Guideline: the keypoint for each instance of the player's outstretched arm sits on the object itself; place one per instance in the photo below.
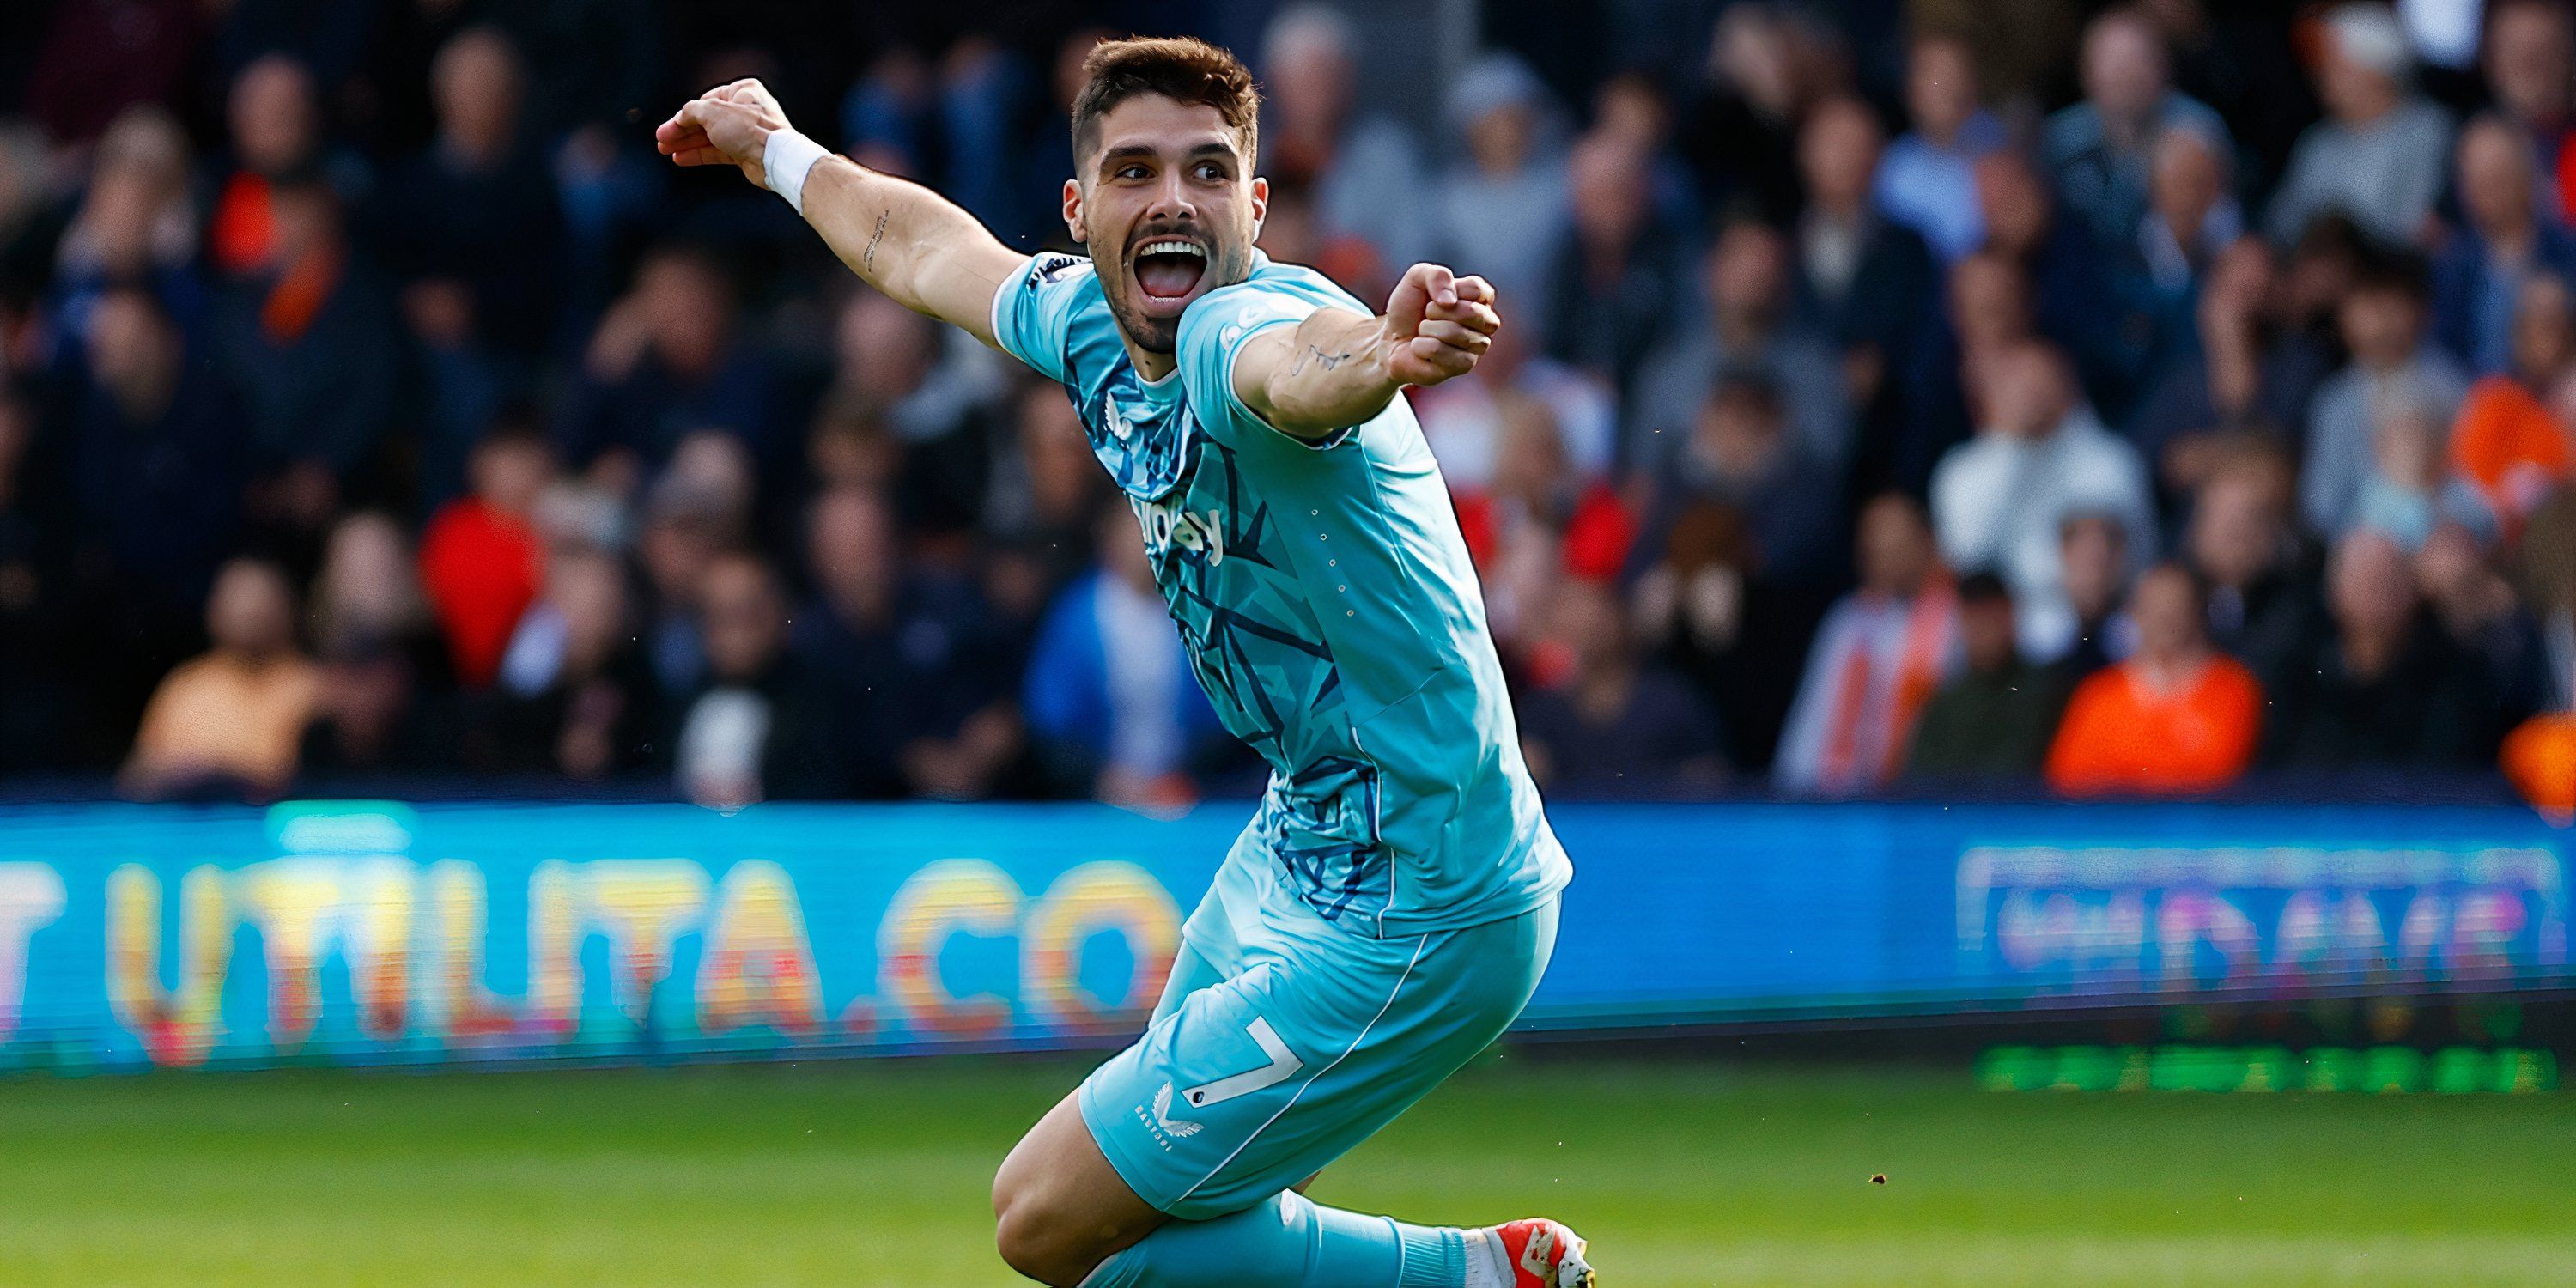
(1336, 368)
(921, 249)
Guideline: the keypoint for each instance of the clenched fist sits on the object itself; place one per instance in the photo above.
(1437, 325)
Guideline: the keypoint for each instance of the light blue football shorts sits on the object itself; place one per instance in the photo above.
(1281, 1042)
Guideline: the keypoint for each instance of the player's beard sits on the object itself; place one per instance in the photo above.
(1229, 262)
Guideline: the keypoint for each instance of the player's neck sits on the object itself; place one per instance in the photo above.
(1149, 364)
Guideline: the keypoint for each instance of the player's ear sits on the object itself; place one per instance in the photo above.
(1260, 204)
(1073, 211)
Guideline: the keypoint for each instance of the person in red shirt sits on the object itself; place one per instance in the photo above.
(481, 561)
(2177, 717)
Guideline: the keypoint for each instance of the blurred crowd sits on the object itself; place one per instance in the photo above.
(1896, 395)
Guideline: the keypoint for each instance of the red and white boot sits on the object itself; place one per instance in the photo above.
(1539, 1253)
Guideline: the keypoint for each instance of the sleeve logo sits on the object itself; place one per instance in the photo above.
(1051, 268)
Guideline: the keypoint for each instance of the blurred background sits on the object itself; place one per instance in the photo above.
(1900, 399)
(2032, 537)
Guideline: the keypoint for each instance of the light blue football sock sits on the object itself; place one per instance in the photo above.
(1289, 1242)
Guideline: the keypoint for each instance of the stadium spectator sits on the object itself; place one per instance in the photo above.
(2320, 269)
(1740, 454)
(2024, 48)
(1046, 494)
(1928, 179)
(472, 215)
(575, 695)
(1537, 519)
(1463, 418)
(228, 723)
(1881, 653)
(756, 731)
(2001, 500)
(2102, 153)
(1618, 276)
(2242, 542)
(1987, 306)
(481, 563)
(2389, 689)
(1631, 105)
(1995, 718)
(1750, 328)
(2507, 440)
(1617, 723)
(2539, 757)
(1741, 136)
(933, 391)
(2469, 597)
(2176, 718)
(1740, 638)
(2507, 240)
(1364, 168)
(2093, 549)
(1863, 281)
(152, 442)
(1114, 711)
(2253, 373)
(309, 338)
(368, 593)
(371, 721)
(2076, 301)
(274, 132)
(2190, 222)
(2530, 62)
(680, 537)
(2411, 489)
(2377, 158)
(667, 358)
(135, 225)
(1990, 307)
(381, 670)
(1500, 212)
(888, 114)
(205, 362)
(2382, 322)
(905, 658)
(2548, 586)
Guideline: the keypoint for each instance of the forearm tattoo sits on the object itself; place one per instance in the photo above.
(1315, 354)
(868, 258)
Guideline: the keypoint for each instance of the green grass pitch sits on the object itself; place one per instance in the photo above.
(877, 1173)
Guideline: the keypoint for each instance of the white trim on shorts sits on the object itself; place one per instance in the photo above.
(1418, 949)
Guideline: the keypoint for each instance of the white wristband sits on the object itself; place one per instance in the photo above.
(784, 161)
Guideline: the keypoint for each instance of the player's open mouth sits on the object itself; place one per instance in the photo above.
(1168, 270)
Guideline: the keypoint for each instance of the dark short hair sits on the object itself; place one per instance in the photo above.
(1984, 587)
(1180, 68)
(2390, 271)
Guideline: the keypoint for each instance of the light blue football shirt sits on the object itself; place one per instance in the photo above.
(1325, 601)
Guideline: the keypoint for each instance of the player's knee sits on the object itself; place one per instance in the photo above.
(1039, 1243)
